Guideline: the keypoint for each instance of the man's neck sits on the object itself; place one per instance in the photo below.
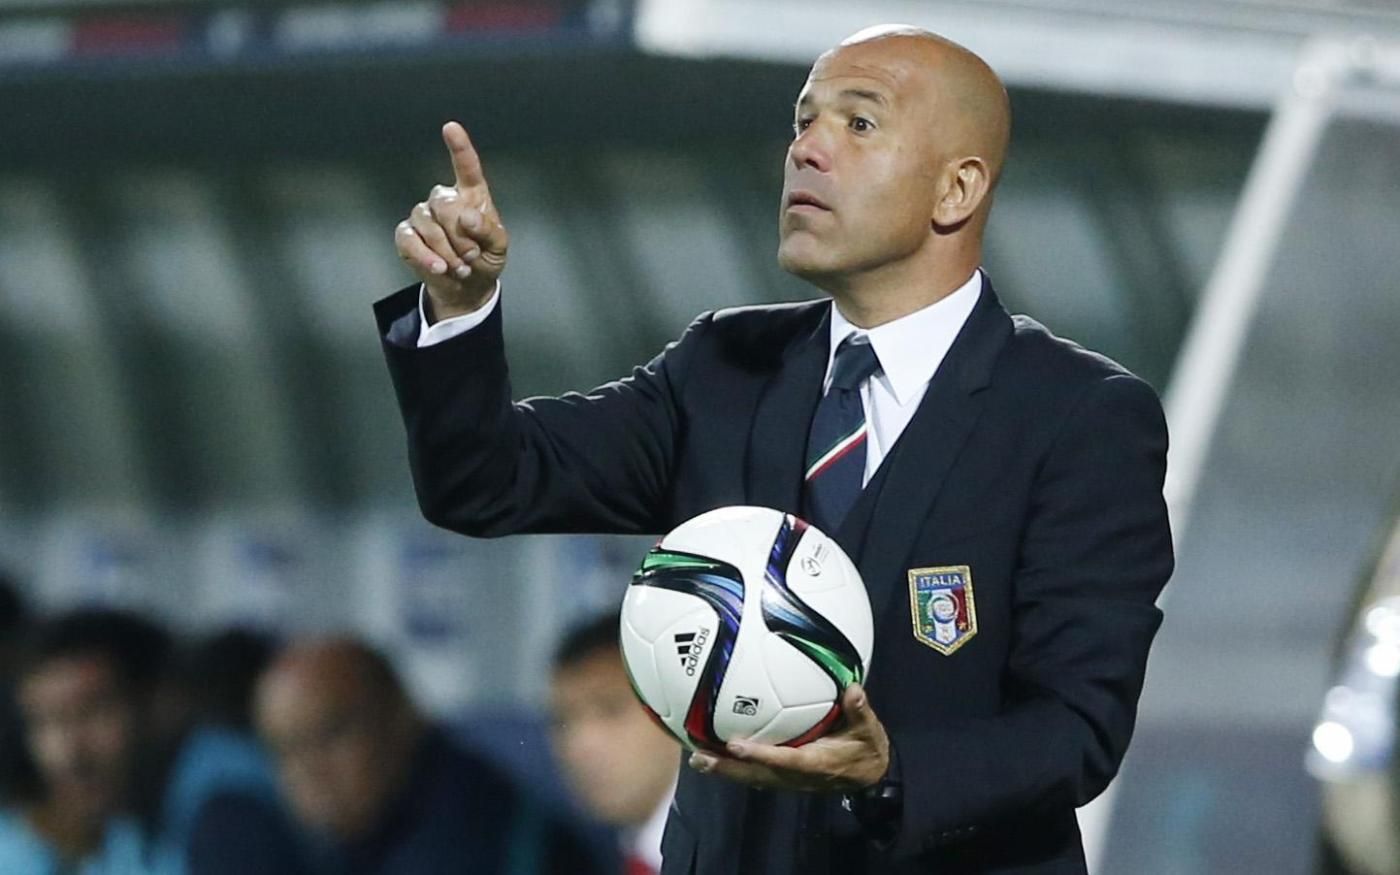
(893, 291)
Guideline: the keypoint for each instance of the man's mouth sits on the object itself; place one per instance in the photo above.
(806, 201)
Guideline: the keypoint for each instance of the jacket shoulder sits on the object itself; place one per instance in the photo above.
(764, 331)
(1056, 360)
(760, 320)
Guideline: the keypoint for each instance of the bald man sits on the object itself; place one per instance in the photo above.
(382, 791)
(999, 488)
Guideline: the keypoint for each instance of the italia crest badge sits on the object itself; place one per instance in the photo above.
(940, 602)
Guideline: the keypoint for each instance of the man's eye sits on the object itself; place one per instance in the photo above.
(801, 125)
(861, 125)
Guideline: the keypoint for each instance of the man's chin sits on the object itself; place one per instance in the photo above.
(86, 799)
(805, 265)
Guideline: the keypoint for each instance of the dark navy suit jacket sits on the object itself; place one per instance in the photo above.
(1033, 462)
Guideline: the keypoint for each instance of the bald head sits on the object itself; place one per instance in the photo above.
(968, 91)
(336, 671)
(335, 715)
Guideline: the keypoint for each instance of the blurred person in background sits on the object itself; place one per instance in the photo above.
(14, 620)
(85, 683)
(221, 672)
(620, 764)
(18, 777)
(216, 809)
(381, 789)
(14, 623)
(128, 781)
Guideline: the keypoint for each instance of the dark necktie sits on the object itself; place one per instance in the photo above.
(836, 442)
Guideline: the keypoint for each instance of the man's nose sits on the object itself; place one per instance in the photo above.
(811, 150)
(63, 750)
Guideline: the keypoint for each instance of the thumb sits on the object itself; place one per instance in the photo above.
(856, 704)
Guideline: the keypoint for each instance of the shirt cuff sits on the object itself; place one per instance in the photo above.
(447, 329)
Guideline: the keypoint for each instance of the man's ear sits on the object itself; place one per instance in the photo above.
(966, 182)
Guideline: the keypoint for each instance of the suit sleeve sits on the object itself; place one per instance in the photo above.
(485, 466)
(1095, 554)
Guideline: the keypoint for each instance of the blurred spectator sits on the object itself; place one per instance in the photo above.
(620, 764)
(83, 684)
(384, 791)
(126, 782)
(18, 779)
(221, 673)
(218, 810)
(14, 619)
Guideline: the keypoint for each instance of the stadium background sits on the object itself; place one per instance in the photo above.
(196, 206)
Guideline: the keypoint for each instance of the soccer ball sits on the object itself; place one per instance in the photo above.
(746, 622)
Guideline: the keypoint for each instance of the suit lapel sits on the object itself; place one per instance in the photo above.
(923, 455)
(778, 441)
(773, 469)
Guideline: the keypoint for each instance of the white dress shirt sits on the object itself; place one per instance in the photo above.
(910, 349)
(644, 842)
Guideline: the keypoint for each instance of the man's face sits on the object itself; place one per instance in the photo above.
(618, 762)
(861, 173)
(81, 727)
(335, 752)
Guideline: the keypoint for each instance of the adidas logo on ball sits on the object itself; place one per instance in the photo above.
(690, 645)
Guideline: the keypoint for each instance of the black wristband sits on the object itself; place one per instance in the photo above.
(880, 807)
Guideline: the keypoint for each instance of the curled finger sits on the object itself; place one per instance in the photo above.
(435, 237)
(413, 250)
(482, 226)
(446, 209)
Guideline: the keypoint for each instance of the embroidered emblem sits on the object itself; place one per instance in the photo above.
(940, 602)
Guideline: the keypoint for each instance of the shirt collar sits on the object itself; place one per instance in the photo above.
(912, 347)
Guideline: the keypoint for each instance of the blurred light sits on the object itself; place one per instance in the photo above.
(1339, 698)
(1383, 659)
(1333, 741)
(1383, 622)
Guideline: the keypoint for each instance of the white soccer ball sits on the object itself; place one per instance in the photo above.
(746, 623)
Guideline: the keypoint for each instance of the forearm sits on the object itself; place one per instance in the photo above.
(485, 466)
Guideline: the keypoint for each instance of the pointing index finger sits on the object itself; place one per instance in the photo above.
(466, 164)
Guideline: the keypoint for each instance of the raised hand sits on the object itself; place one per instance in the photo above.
(454, 241)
